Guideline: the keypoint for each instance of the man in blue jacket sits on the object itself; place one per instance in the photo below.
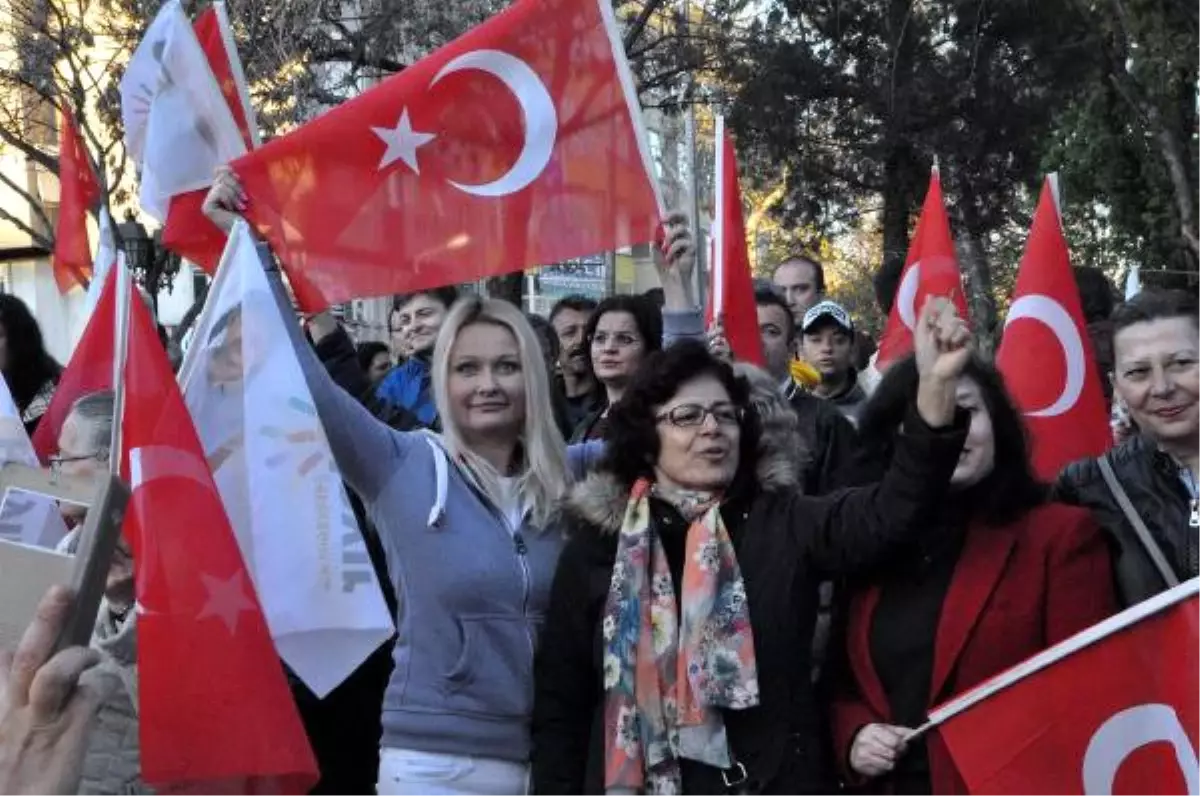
(418, 318)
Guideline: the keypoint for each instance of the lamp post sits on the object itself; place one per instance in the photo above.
(152, 265)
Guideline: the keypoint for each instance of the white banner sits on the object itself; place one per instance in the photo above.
(272, 465)
(178, 127)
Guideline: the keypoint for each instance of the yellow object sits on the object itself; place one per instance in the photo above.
(803, 373)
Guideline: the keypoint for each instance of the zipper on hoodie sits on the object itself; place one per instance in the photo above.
(521, 548)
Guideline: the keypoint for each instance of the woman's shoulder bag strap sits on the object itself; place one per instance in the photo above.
(1139, 527)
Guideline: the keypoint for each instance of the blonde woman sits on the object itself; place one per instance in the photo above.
(466, 523)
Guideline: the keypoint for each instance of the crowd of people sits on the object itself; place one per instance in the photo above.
(621, 562)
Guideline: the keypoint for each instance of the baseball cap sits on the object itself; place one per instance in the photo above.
(827, 309)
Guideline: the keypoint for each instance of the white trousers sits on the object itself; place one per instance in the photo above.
(405, 772)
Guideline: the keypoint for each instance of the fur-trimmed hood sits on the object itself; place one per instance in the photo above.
(600, 500)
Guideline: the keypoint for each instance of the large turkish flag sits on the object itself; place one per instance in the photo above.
(1046, 354)
(1118, 715)
(518, 144)
(931, 269)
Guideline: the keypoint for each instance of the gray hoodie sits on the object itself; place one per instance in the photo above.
(472, 590)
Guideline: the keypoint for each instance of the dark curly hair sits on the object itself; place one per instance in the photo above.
(1009, 491)
(645, 314)
(29, 365)
(631, 445)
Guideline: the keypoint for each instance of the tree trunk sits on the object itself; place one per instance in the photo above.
(980, 302)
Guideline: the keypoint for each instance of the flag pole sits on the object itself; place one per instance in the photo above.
(124, 289)
(1077, 642)
(717, 230)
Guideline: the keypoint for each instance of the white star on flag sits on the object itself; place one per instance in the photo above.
(226, 599)
(402, 143)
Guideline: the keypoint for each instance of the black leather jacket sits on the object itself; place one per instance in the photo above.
(1153, 482)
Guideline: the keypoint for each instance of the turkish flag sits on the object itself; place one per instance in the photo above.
(187, 231)
(1110, 710)
(1046, 353)
(90, 369)
(78, 190)
(215, 713)
(518, 144)
(930, 270)
(732, 295)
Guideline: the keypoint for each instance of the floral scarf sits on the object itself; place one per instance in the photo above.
(669, 665)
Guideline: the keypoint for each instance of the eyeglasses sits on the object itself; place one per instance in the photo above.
(619, 339)
(693, 415)
(58, 460)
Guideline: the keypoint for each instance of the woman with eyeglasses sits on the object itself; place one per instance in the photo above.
(112, 763)
(621, 333)
(676, 652)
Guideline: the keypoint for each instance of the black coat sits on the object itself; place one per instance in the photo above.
(830, 440)
(1152, 481)
(786, 544)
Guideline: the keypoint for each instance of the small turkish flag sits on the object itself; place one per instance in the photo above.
(90, 369)
(518, 144)
(732, 295)
(78, 190)
(1112, 709)
(1046, 354)
(215, 713)
(930, 270)
(187, 231)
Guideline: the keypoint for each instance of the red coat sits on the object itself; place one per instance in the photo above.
(1015, 590)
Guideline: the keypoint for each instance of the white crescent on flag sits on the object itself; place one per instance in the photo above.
(1126, 732)
(537, 109)
(906, 295)
(1058, 320)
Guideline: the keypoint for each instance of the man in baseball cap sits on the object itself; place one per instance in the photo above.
(827, 343)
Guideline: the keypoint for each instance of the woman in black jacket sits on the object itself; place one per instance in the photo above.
(1156, 375)
(693, 500)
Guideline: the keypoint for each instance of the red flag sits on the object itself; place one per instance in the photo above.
(187, 231)
(518, 144)
(90, 369)
(78, 190)
(215, 712)
(1046, 353)
(1114, 710)
(731, 297)
(930, 270)
(190, 234)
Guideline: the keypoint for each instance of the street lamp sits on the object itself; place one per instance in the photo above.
(151, 263)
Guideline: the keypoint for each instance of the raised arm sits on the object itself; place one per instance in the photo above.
(366, 451)
(676, 262)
